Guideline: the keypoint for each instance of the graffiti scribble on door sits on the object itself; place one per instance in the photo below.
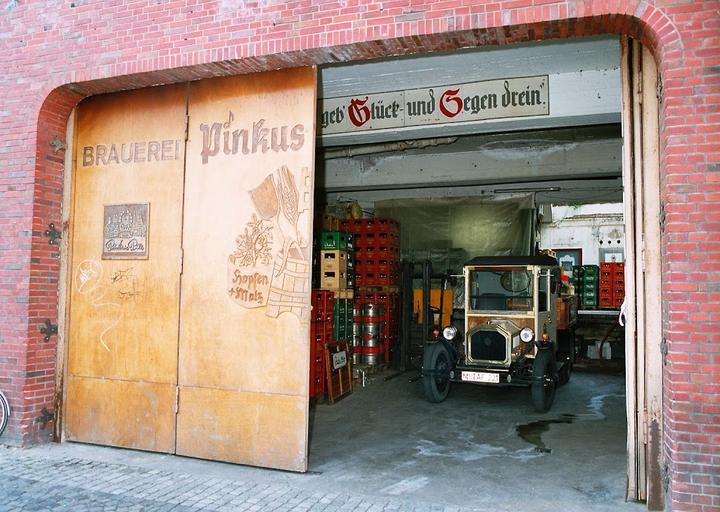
(270, 266)
(89, 284)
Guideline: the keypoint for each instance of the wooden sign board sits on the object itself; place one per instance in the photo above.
(338, 369)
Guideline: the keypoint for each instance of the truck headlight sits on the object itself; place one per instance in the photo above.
(450, 333)
(527, 335)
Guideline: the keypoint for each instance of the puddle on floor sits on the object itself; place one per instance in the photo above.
(532, 432)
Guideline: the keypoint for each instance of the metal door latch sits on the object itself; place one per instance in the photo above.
(48, 330)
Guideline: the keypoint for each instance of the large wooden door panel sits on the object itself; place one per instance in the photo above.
(213, 364)
(121, 413)
(123, 328)
(253, 428)
(244, 333)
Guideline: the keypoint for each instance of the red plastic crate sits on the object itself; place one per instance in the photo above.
(391, 239)
(370, 225)
(322, 298)
(323, 302)
(605, 291)
(321, 332)
(321, 314)
(352, 225)
(317, 379)
(606, 302)
(384, 225)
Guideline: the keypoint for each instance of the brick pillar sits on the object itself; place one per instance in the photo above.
(27, 361)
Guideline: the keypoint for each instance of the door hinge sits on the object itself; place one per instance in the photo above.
(664, 350)
(642, 255)
(48, 330)
(53, 234)
(662, 218)
(177, 399)
(641, 417)
(659, 89)
(181, 257)
(187, 127)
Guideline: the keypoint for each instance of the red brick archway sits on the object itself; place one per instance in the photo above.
(689, 165)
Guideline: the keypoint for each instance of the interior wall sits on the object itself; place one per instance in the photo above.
(597, 229)
(449, 232)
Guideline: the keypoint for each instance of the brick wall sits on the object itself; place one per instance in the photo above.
(56, 52)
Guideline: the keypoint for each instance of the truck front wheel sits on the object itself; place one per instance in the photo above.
(436, 362)
(542, 389)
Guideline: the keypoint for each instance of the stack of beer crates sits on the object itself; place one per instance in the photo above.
(321, 333)
(612, 285)
(337, 263)
(334, 250)
(343, 319)
(587, 278)
(377, 251)
(377, 275)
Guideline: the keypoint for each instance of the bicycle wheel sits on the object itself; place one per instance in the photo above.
(4, 412)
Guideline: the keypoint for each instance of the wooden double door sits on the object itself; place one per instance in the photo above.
(189, 287)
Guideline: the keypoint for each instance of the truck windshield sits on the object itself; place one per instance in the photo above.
(501, 290)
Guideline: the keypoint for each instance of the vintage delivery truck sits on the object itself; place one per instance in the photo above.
(518, 331)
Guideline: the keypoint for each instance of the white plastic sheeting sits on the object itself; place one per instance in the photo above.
(451, 231)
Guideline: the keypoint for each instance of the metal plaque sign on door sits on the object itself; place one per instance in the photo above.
(125, 282)
(230, 381)
(245, 300)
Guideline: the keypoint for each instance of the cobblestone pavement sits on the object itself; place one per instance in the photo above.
(31, 481)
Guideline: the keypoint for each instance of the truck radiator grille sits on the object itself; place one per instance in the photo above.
(488, 346)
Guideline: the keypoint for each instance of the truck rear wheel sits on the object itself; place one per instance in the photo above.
(542, 389)
(436, 361)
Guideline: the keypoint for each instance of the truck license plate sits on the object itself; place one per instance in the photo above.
(492, 378)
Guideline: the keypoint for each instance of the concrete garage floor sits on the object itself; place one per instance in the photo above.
(483, 447)
(382, 448)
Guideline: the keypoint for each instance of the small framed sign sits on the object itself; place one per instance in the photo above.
(125, 231)
(567, 259)
(339, 360)
(338, 370)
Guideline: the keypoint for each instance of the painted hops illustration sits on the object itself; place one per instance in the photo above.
(254, 244)
(271, 263)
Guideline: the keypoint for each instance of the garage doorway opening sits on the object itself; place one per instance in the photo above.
(565, 180)
(508, 142)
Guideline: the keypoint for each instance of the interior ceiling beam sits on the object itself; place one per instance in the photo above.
(598, 190)
(481, 160)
